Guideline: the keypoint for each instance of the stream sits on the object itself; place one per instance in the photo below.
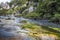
(9, 28)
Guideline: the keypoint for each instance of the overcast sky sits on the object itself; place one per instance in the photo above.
(5, 1)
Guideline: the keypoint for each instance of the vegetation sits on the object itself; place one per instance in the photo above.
(3, 12)
(37, 30)
(18, 2)
(23, 21)
(47, 9)
(31, 15)
(43, 9)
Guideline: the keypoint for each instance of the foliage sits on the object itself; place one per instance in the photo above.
(18, 2)
(3, 12)
(49, 9)
(32, 15)
(23, 21)
(46, 9)
(10, 11)
(36, 30)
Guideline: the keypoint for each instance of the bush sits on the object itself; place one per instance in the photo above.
(23, 21)
(33, 15)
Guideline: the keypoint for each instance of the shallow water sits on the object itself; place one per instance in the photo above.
(10, 29)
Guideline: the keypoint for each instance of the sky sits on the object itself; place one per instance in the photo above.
(5, 1)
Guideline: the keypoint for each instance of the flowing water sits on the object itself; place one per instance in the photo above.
(9, 28)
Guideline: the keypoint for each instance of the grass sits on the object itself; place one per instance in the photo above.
(37, 30)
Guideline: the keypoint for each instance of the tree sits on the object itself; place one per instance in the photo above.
(18, 2)
(3, 12)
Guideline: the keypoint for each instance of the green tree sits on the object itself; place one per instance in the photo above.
(49, 9)
(18, 2)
